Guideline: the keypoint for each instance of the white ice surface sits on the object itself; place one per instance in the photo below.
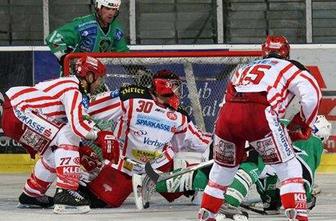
(181, 210)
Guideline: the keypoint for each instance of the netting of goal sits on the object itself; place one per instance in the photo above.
(204, 74)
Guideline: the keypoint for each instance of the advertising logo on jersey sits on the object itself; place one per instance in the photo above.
(114, 93)
(152, 122)
(30, 122)
(118, 34)
(171, 115)
(140, 133)
(88, 33)
(159, 110)
(146, 155)
(85, 101)
(156, 143)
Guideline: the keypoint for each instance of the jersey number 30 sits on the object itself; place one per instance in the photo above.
(144, 106)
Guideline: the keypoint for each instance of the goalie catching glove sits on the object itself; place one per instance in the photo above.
(109, 145)
(298, 129)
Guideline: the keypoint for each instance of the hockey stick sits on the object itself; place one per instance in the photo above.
(156, 177)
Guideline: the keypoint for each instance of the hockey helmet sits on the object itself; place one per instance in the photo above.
(167, 84)
(108, 3)
(87, 64)
(275, 45)
(322, 128)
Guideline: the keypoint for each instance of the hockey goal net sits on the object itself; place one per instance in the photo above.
(204, 74)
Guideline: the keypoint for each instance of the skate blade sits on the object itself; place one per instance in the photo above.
(29, 206)
(66, 209)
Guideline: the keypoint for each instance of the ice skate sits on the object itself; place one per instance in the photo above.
(26, 201)
(70, 202)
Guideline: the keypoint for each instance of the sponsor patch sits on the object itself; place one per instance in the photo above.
(140, 133)
(153, 123)
(85, 102)
(118, 35)
(154, 143)
(146, 155)
(171, 115)
(34, 140)
(267, 149)
(224, 152)
(115, 93)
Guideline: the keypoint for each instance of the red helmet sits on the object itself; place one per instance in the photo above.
(163, 82)
(166, 83)
(277, 45)
(88, 64)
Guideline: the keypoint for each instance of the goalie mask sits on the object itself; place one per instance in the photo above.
(167, 84)
(108, 4)
(322, 128)
(276, 46)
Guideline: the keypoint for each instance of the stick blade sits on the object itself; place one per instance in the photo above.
(151, 173)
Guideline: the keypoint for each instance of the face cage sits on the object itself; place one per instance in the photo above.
(175, 85)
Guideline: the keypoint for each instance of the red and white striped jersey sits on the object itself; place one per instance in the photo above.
(146, 127)
(282, 80)
(58, 99)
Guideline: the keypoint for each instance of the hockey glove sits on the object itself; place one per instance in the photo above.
(298, 129)
(89, 159)
(109, 145)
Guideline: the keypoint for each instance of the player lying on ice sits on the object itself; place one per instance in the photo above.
(254, 171)
(255, 100)
(50, 119)
(150, 126)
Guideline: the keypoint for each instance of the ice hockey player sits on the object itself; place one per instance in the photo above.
(98, 32)
(254, 171)
(255, 100)
(50, 119)
(150, 126)
(308, 152)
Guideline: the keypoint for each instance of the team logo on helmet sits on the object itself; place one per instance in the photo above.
(275, 45)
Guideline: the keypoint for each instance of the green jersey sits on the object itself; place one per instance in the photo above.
(84, 34)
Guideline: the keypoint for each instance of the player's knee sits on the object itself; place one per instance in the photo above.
(288, 169)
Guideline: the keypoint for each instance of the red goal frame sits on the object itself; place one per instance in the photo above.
(157, 54)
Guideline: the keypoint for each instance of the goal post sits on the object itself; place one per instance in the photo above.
(204, 74)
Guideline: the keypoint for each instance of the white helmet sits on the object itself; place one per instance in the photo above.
(322, 128)
(108, 4)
